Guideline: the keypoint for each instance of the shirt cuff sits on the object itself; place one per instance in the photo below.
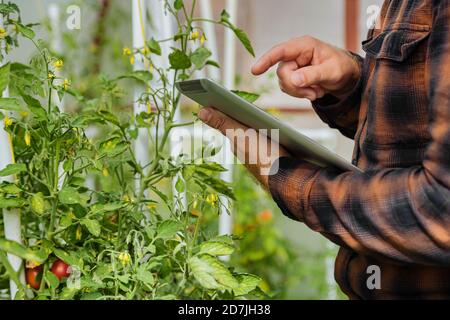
(290, 183)
(331, 105)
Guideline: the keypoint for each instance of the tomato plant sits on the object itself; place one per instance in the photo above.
(87, 202)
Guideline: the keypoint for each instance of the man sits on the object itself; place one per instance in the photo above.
(395, 104)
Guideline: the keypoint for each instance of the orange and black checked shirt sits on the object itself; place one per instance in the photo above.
(398, 216)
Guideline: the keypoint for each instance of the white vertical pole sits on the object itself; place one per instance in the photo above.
(225, 220)
(209, 28)
(139, 22)
(56, 45)
(11, 218)
(54, 16)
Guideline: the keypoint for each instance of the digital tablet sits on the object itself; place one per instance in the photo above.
(211, 94)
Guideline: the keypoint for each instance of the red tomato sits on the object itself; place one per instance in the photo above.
(34, 276)
(60, 269)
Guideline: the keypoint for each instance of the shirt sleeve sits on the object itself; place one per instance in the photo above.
(342, 114)
(396, 214)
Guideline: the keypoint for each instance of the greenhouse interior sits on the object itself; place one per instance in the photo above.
(111, 185)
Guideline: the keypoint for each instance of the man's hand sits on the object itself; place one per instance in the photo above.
(256, 154)
(309, 68)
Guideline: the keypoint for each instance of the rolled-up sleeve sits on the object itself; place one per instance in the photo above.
(342, 114)
(401, 214)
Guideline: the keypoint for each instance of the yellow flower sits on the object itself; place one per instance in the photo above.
(105, 172)
(202, 39)
(32, 264)
(66, 84)
(194, 35)
(132, 60)
(58, 64)
(212, 198)
(2, 32)
(145, 51)
(124, 258)
(27, 138)
(7, 121)
(23, 114)
(78, 233)
(126, 198)
(51, 75)
(127, 51)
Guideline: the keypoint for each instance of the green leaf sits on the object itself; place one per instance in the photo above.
(21, 251)
(213, 63)
(93, 226)
(52, 280)
(180, 185)
(178, 4)
(11, 203)
(25, 31)
(160, 194)
(13, 169)
(199, 57)
(142, 76)
(224, 239)
(67, 165)
(242, 36)
(210, 166)
(111, 206)
(144, 275)
(10, 104)
(9, 8)
(37, 203)
(154, 46)
(4, 77)
(67, 293)
(66, 220)
(218, 185)
(110, 117)
(216, 248)
(113, 146)
(70, 195)
(247, 283)
(225, 16)
(168, 228)
(211, 273)
(69, 258)
(9, 188)
(179, 60)
(35, 106)
(248, 96)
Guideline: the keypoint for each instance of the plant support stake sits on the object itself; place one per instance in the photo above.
(139, 22)
(225, 220)
(11, 217)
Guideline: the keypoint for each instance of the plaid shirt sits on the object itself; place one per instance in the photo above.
(396, 217)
